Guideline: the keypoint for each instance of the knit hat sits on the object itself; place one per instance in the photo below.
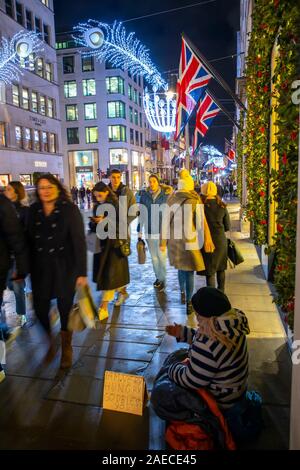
(186, 184)
(154, 175)
(100, 187)
(210, 302)
(183, 173)
(209, 189)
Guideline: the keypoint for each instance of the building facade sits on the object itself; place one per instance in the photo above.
(103, 121)
(30, 128)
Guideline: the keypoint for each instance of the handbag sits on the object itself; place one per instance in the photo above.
(75, 322)
(87, 308)
(92, 242)
(233, 253)
(141, 251)
(123, 247)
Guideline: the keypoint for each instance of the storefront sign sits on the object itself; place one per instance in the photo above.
(84, 169)
(40, 164)
(37, 121)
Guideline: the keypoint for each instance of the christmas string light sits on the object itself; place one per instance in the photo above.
(122, 50)
(160, 110)
(14, 52)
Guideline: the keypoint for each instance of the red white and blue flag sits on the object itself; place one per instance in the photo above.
(206, 112)
(191, 84)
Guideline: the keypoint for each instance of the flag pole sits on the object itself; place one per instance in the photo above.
(214, 73)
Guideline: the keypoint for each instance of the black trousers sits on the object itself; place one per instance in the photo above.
(42, 307)
(211, 280)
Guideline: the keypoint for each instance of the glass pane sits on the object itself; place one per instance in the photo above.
(90, 111)
(70, 89)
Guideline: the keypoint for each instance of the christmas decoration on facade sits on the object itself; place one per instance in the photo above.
(16, 54)
(160, 109)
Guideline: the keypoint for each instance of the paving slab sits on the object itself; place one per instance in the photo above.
(117, 350)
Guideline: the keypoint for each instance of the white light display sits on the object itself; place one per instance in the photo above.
(160, 110)
(14, 52)
(122, 50)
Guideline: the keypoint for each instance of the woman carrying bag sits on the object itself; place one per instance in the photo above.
(110, 268)
(218, 220)
(57, 258)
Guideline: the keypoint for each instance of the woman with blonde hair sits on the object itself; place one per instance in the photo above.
(218, 220)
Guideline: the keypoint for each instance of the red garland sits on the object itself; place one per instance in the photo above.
(264, 161)
(263, 222)
(262, 194)
(279, 228)
(284, 159)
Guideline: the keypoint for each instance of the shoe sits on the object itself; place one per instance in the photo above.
(122, 296)
(12, 334)
(102, 314)
(156, 283)
(189, 308)
(2, 375)
(161, 286)
(66, 350)
(182, 298)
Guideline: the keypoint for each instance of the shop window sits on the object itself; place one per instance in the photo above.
(26, 180)
(118, 156)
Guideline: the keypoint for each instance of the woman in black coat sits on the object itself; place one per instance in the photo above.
(110, 270)
(218, 220)
(57, 257)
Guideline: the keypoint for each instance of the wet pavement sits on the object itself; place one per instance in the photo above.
(44, 408)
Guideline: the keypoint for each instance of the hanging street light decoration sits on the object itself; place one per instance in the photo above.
(14, 54)
(122, 50)
(160, 110)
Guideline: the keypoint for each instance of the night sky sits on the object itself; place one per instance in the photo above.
(212, 27)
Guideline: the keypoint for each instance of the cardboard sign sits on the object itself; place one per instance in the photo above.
(124, 392)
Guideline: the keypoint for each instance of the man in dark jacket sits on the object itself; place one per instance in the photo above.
(120, 189)
(12, 241)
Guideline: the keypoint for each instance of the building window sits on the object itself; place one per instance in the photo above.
(19, 13)
(118, 156)
(135, 158)
(89, 87)
(46, 29)
(116, 109)
(50, 107)
(139, 80)
(18, 135)
(115, 85)
(27, 139)
(40, 67)
(136, 138)
(68, 64)
(2, 134)
(34, 102)
(87, 64)
(130, 92)
(2, 92)
(71, 112)
(73, 135)
(31, 62)
(136, 118)
(141, 120)
(141, 140)
(140, 100)
(38, 27)
(117, 133)
(28, 20)
(52, 143)
(36, 140)
(26, 180)
(131, 136)
(9, 8)
(135, 96)
(90, 111)
(25, 98)
(131, 114)
(45, 147)
(48, 72)
(91, 135)
(46, 3)
(70, 89)
(42, 105)
(16, 95)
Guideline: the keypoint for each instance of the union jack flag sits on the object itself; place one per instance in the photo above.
(229, 150)
(191, 84)
(206, 112)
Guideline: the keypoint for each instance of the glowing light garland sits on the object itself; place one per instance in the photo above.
(160, 110)
(13, 53)
(122, 50)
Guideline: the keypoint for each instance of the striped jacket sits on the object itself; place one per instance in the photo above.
(211, 365)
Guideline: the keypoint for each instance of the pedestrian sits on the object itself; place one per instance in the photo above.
(217, 362)
(231, 190)
(119, 189)
(150, 220)
(184, 233)
(74, 193)
(82, 193)
(12, 241)
(57, 258)
(89, 197)
(218, 220)
(15, 192)
(110, 267)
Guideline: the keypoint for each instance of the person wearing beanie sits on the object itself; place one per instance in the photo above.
(218, 219)
(110, 268)
(152, 201)
(185, 231)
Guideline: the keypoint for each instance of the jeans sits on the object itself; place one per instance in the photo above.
(19, 290)
(159, 259)
(186, 283)
(211, 281)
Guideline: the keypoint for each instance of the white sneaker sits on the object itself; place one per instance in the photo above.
(2, 375)
(122, 296)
